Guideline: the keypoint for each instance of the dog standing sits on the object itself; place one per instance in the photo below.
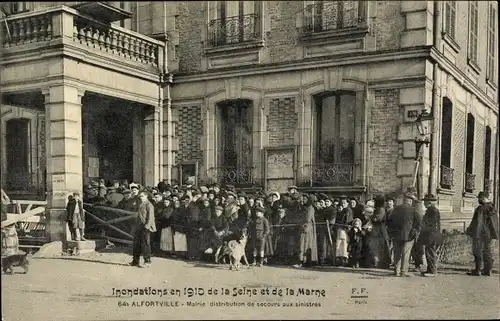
(9, 262)
(236, 251)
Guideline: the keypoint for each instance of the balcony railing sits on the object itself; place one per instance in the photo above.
(232, 30)
(330, 174)
(470, 182)
(332, 15)
(67, 23)
(447, 177)
(487, 184)
(229, 175)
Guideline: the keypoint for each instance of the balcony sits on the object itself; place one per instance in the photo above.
(447, 177)
(229, 175)
(487, 184)
(48, 31)
(324, 175)
(470, 182)
(320, 17)
(234, 30)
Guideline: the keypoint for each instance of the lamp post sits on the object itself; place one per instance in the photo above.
(424, 125)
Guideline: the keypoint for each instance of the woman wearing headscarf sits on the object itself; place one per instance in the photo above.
(308, 247)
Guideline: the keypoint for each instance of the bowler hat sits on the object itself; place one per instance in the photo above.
(429, 197)
(292, 187)
(230, 193)
(133, 185)
(483, 194)
(410, 196)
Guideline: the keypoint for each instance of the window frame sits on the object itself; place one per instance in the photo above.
(451, 24)
(449, 155)
(20, 7)
(314, 10)
(491, 61)
(473, 36)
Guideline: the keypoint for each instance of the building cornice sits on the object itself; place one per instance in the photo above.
(463, 79)
(316, 63)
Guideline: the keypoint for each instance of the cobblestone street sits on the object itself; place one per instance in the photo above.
(82, 289)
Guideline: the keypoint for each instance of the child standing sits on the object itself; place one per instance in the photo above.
(260, 229)
(356, 234)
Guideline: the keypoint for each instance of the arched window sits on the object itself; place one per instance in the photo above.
(18, 153)
(446, 134)
(234, 135)
(470, 178)
(487, 160)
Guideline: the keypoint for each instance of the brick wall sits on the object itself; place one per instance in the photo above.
(388, 25)
(282, 38)
(282, 122)
(458, 157)
(479, 149)
(190, 21)
(385, 119)
(188, 131)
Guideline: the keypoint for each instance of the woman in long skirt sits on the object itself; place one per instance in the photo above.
(343, 220)
(308, 246)
(167, 234)
(179, 227)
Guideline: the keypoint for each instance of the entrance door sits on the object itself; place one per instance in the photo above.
(18, 153)
(235, 139)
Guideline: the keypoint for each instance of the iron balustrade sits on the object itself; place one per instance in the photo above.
(231, 30)
(470, 182)
(447, 174)
(332, 15)
(330, 174)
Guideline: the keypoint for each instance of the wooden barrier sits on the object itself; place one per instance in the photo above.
(31, 222)
(108, 226)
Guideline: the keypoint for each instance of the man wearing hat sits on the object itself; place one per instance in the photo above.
(231, 208)
(403, 227)
(113, 198)
(128, 203)
(430, 238)
(483, 229)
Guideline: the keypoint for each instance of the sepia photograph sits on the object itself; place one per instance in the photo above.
(249, 160)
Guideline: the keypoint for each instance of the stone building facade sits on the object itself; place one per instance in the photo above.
(319, 94)
(329, 92)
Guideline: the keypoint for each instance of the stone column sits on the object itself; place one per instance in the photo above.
(138, 145)
(152, 146)
(63, 118)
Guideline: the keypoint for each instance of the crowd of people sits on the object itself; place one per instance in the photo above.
(290, 228)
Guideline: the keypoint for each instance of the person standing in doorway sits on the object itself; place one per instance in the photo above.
(430, 238)
(404, 226)
(483, 229)
(145, 225)
(76, 217)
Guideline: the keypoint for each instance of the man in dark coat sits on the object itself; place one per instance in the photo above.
(144, 226)
(430, 238)
(192, 213)
(403, 227)
(113, 198)
(76, 217)
(483, 229)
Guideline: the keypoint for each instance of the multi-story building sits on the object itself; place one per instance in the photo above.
(325, 94)
(82, 98)
(319, 94)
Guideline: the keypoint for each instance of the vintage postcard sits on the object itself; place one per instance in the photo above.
(260, 160)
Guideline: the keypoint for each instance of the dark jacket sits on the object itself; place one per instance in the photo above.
(404, 223)
(193, 217)
(484, 223)
(260, 228)
(220, 223)
(146, 216)
(431, 227)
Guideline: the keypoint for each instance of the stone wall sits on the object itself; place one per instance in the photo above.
(282, 122)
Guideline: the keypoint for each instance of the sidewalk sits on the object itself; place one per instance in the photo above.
(124, 258)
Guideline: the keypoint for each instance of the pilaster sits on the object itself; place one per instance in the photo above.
(63, 119)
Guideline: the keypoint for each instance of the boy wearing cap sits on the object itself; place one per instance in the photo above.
(260, 228)
(220, 227)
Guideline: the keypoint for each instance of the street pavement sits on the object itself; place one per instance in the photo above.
(85, 288)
